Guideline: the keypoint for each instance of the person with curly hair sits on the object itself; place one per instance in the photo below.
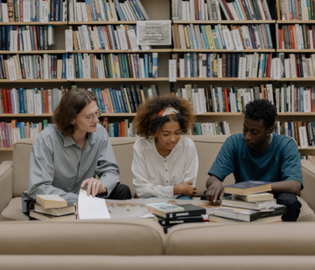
(260, 154)
(165, 163)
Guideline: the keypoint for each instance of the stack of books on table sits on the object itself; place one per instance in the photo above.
(249, 202)
(169, 215)
(52, 207)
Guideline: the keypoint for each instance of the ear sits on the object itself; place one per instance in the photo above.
(269, 130)
(73, 121)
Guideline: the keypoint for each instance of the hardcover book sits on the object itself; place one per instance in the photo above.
(51, 201)
(234, 202)
(248, 187)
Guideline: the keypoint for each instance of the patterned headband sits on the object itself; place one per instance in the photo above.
(167, 111)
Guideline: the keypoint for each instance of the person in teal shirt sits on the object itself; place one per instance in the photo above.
(260, 154)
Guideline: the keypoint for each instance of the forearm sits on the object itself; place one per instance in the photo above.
(287, 186)
(212, 179)
(177, 190)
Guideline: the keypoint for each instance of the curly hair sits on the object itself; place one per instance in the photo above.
(146, 122)
(261, 109)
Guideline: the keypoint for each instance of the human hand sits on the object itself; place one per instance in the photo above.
(93, 186)
(215, 191)
(188, 189)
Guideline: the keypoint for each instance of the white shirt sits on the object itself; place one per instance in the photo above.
(154, 175)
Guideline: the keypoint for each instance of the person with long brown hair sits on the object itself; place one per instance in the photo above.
(165, 162)
(66, 156)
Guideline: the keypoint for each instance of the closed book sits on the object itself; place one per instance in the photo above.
(54, 211)
(179, 220)
(41, 216)
(188, 210)
(248, 187)
(216, 219)
(249, 215)
(51, 201)
(258, 197)
(234, 202)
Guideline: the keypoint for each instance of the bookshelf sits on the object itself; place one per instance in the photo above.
(161, 10)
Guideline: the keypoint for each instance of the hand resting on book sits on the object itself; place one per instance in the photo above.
(93, 186)
(214, 190)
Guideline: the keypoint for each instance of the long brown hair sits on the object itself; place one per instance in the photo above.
(71, 104)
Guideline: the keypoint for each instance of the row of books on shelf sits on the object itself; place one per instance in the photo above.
(302, 132)
(32, 101)
(37, 101)
(298, 36)
(298, 66)
(120, 37)
(297, 10)
(231, 65)
(79, 65)
(286, 98)
(107, 10)
(121, 129)
(33, 11)
(19, 67)
(11, 132)
(212, 128)
(211, 10)
(27, 38)
(222, 37)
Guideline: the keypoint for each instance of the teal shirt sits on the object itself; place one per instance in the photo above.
(279, 162)
(59, 166)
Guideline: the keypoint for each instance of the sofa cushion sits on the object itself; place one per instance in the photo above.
(79, 262)
(21, 164)
(97, 237)
(284, 238)
(14, 211)
(307, 213)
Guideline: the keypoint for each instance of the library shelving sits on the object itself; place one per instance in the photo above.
(162, 10)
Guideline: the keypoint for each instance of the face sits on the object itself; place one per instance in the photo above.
(169, 135)
(87, 119)
(255, 133)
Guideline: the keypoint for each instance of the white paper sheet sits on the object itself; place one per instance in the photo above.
(91, 208)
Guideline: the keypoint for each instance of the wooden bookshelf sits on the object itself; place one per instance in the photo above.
(34, 81)
(224, 50)
(36, 52)
(296, 51)
(296, 22)
(33, 23)
(228, 79)
(120, 80)
(125, 51)
(226, 22)
(100, 22)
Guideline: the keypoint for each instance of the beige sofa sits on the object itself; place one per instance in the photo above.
(14, 174)
(141, 244)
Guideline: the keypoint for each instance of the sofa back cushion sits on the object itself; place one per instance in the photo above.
(207, 149)
(21, 164)
(281, 238)
(95, 237)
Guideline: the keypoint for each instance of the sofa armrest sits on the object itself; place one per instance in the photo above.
(308, 171)
(5, 184)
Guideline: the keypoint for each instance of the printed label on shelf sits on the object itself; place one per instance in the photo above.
(13, 41)
(303, 139)
(43, 11)
(133, 40)
(26, 11)
(11, 69)
(69, 40)
(172, 70)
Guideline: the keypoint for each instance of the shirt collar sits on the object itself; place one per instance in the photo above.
(68, 141)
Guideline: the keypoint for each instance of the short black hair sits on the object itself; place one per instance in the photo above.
(261, 109)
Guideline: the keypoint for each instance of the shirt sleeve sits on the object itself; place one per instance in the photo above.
(41, 173)
(144, 188)
(191, 165)
(107, 168)
(224, 163)
(291, 163)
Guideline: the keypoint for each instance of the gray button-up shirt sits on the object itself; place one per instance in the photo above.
(59, 166)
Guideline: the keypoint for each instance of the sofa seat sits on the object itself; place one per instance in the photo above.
(83, 262)
(13, 212)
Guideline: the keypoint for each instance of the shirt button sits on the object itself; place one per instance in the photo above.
(166, 170)
(164, 160)
(166, 181)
